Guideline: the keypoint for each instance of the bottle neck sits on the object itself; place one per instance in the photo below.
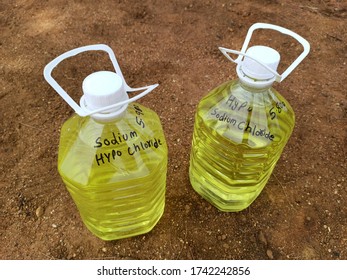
(250, 88)
(110, 116)
(253, 84)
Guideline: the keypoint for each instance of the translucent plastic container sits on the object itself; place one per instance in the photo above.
(115, 171)
(234, 151)
(241, 128)
(113, 161)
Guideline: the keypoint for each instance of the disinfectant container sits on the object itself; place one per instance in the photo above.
(242, 126)
(112, 153)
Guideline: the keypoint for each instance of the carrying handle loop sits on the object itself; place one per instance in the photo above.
(225, 51)
(47, 72)
(242, 53)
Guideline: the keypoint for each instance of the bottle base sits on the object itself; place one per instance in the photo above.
(109, 234)
(225, 203)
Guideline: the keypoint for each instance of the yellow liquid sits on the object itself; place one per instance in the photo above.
(239, 135)
(116, 171)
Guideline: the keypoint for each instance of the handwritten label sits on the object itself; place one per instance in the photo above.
(253, 129)
(138, 118)
(116, 139)
(132, 148)
(234, 114)
(236, 105)
(102, 158)
(278, 108)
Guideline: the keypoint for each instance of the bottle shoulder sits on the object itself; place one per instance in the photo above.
(258, 118)
(134, 144)
(138, 118)
(235, 97)
(241, 94)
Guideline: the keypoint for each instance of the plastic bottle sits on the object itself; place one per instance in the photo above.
(241, 127)
(112, 154)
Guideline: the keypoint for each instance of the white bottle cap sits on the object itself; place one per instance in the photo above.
(257, 66)
(267, 56)
(101, 89)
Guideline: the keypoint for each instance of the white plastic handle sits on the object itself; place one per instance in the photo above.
(225, 51)
(280, 29)
(47, 72)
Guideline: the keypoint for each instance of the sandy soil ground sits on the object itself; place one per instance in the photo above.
(302, 212)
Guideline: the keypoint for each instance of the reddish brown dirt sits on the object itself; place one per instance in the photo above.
(302, 212)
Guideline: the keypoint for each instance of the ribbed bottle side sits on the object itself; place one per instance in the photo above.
(116, 172)
(236, 145)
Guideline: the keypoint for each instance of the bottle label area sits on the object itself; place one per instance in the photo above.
(243, 116)
(127, 144)
(242, 125)
(134, 148)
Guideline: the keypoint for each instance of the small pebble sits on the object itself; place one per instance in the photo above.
(54, 226)
(104, 250)
(262, 238)
(39, 211)
(269, 254)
